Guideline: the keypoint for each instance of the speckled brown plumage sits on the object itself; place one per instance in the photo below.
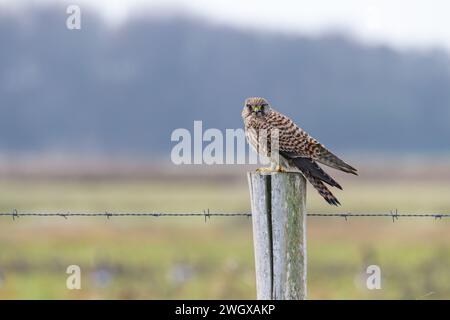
(296, 148)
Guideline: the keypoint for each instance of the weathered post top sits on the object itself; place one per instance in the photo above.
(278, 202)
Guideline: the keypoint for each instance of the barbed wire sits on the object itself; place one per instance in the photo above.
(395, 215)
(392, 214)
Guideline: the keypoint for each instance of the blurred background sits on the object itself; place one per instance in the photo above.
(85, 123)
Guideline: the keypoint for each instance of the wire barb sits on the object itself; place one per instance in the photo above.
(63, 215)
(15, 214)
(394, 216)
(207, 214)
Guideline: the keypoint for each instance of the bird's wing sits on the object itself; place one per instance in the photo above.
(296, 143)
(323, 155)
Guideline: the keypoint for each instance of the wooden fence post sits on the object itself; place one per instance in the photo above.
(278, 202)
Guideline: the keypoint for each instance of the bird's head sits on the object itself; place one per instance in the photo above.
(258, 107)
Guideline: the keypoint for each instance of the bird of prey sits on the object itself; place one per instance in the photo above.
(296, 150)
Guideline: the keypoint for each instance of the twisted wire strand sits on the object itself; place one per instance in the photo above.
(207, 214)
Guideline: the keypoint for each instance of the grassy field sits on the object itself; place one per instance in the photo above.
(188, 258)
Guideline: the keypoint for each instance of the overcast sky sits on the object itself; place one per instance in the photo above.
(401, 23)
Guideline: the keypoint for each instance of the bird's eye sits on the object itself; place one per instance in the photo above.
(248, 106)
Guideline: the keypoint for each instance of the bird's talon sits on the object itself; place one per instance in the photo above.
(263, 170)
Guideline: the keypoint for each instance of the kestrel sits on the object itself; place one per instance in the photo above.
(296, 149)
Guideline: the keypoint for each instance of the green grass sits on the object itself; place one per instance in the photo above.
(188, 258)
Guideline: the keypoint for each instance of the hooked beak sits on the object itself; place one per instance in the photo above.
(257, 110)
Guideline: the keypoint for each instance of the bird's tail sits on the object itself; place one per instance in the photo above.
(322, 189)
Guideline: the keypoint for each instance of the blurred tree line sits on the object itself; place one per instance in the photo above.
(124, 89)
